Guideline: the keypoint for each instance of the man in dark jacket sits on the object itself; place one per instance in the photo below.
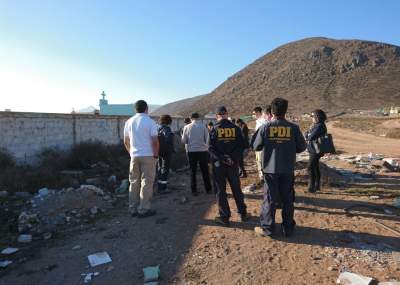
(166, 141)
(279, 140)
(226, 145)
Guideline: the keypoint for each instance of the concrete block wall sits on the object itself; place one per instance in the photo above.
(24, 135)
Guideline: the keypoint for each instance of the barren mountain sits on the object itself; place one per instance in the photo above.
(334, 75)
(175, 108)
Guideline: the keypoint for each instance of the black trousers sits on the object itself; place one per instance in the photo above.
(163, 166)
(200, 158)
(278, 186)
(221, 174)
(314, 173)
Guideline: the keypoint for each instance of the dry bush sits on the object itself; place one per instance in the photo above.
(6, 159)
(393, 133)
(85, 154)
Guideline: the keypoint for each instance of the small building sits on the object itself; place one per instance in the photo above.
(119, 109)
(394, 111)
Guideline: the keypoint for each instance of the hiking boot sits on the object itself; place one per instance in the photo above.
(287, 232)
(146, 214)
(162, 192)
(311, 190)
(262, 232)
(244, 217)
(222, 221)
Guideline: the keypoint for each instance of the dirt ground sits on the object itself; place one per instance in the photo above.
(351, 141)
(191, 249)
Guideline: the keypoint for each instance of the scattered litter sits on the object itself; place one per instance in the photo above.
(112, 179)
(348, 278)
(25, 238)
(183, 200)
(5, 263)
(9, 250)
(93, 188)
(94, 210)
(151, 273)
(387, 211)
(396, 202)
(99, 258)
(43, 192)
(374, 197)
(76, 247)
(88, 276)
(123, 187)
(47, 236)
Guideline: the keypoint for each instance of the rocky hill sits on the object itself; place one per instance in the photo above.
(176, 107)
(334, 75)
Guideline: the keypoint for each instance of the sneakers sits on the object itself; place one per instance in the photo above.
(222, 221)
(146, 214)
(262, 232)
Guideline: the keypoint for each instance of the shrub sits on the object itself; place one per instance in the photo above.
(84, 154)
(393, 133)
(6, 159)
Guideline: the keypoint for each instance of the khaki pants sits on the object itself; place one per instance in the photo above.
(259, 159)
(142, 172)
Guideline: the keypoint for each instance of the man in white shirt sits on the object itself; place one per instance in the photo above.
(195, 136)
(141, 141)
(260, 121)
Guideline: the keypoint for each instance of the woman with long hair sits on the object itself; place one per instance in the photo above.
(317, 130)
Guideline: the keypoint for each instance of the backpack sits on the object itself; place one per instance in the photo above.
(166, 140)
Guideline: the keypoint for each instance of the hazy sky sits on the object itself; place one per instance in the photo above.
(60, 54)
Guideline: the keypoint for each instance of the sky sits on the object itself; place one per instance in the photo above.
(58, 55)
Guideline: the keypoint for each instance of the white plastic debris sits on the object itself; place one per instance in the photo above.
(99, 258)
(250, 188)
(5, 263)
(348, 278)
(88, 276)
(93, 188)
(396, 202)
(25, 238)
(43, 192)
(9, 250)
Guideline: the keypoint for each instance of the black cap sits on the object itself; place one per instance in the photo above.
(221, 110)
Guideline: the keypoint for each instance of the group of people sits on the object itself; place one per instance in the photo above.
(223, 144)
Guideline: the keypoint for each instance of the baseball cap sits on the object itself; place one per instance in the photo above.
(221, 110)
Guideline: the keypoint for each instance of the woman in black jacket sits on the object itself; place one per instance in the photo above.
(318, 129)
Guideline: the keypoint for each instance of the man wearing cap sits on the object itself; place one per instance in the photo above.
(226, 145)
(279, 140)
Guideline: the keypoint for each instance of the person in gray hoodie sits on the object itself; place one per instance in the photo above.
(195, 136)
